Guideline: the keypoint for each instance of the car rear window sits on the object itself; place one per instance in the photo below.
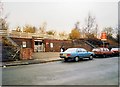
(104, 49)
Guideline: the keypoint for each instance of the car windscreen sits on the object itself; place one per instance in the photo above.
(71, 50)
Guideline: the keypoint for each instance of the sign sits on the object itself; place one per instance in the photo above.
(103, 36)
(38, 40)
(47, 43)
(51, 45)
(24, 44)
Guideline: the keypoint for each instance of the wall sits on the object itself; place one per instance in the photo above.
(56, 45)
(81, 44)
(20, 40)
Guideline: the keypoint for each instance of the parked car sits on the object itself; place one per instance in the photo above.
(116, 51)
(102, 52)
(76, 54)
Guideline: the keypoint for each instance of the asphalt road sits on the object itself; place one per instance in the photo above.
(100, 71)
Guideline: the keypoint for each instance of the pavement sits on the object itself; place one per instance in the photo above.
(40, 57)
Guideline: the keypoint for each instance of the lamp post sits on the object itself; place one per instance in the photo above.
(103, 44)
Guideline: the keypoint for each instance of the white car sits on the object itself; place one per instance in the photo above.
(116, 51)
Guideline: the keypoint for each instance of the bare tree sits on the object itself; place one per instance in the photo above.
(62, 34)
(96, 30)
(77, 25)
(3, 21)
(42, 29)
(90, 26)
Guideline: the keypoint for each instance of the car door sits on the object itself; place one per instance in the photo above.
(85, 53)
(80, 53)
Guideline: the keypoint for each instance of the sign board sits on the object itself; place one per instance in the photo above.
(47, 43)
(38, 40)
(24, 44)
(51, 45)
(103, 36)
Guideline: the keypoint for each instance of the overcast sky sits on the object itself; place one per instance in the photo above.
(61, 15)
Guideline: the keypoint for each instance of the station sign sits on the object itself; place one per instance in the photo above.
(103, 36)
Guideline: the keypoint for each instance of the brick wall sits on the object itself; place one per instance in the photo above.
(20, 40)
(81, 44)
(56, 45)
(26, 53)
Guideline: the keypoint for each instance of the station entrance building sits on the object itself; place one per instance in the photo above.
(40, 44)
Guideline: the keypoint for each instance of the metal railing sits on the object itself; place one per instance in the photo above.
(90, 44)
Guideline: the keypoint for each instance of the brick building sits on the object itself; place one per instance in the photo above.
(40, 44)
(45, 43)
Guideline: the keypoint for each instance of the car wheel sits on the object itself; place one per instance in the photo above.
(76, 59)
(91, 57)
(104, 55)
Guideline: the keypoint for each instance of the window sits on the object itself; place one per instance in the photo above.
(79, 50)
(36, 43)
(107, 49)
(83, 50)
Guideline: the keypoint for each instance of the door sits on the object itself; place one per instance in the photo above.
(85, 53)
(39, 46)
(80, 53)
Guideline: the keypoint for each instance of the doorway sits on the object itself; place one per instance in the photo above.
(38, 46)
